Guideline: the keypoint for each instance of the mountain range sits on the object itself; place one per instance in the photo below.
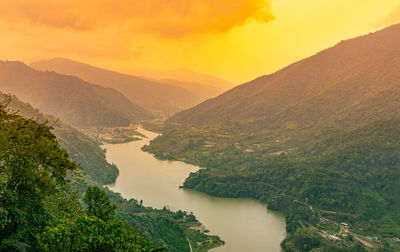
(162, 97)
(76, 102)
(183, 75)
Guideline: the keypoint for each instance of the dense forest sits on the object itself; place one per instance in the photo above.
(83, 150)
(39, 195)
(350, 177)
(158, 230)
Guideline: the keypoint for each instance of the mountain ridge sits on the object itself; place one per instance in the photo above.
(324, 78)
(77, 102)
(184, 75)
(317, 141)
(163, 98)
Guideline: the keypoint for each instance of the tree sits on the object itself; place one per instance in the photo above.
(39, 206)
(98, 204)
(33, 167)
(89, 233)
(304, 239)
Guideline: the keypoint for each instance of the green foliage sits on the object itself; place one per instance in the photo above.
(89, 233)
(13, 245)
(98, 204)
(33, 167)
(304, 239)
(39, 189)
(201, 242)
(65, 214)
(88, 154)
(162, 226)
(354, 174)
(82, 149)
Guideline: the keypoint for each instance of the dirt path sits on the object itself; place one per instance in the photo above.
(190, 245)
(365, 243)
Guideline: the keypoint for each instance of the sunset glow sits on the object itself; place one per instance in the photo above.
(237, 39)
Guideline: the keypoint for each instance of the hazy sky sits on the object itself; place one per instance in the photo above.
(234, 39)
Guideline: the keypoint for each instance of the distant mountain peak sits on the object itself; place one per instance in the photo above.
(163, 98)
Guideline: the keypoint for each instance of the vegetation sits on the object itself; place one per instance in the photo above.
(87, 152)
(39, 190)
(118, 136)
(82, 149)
(162, 226)
(201, 242)
(318, 140)
(96, 230)
(350, 177)
(87, 230)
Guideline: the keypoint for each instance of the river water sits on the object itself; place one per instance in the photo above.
(244, 224)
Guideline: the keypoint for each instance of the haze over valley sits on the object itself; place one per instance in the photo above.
(162, 97)
(200, 126)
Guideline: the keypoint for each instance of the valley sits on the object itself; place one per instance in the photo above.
(172, 228)
(195, 126)
(243, 224)
(159, 96)
(314, 132)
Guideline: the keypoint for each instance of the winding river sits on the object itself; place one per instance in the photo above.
(244, 224)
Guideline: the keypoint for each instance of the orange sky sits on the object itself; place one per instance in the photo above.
(234, 39)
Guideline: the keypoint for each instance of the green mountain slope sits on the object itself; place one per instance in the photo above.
(161, 226)
(341, 88)
(75, 101)
(83, 150)
(351, 177)
(39, 205)
(355, 172)
(316, 139)
(355, 82)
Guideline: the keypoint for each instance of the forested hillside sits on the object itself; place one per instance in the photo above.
(350, 177)
(168, 229)
(351, 75)
(353, 83)
(316, 139)
(40, 209)
(83, 150)
(75, 101)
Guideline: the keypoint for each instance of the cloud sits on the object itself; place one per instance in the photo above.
(171, 18)
(392, 18)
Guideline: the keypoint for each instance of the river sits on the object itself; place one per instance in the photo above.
(244, 224)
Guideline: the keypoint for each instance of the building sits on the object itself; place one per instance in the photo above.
(334, 238)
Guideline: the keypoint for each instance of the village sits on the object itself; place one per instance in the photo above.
(115, 135)
(343, 233)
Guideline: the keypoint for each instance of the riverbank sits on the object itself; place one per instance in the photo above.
(244, 224)
(137, 214)
(325, 174)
